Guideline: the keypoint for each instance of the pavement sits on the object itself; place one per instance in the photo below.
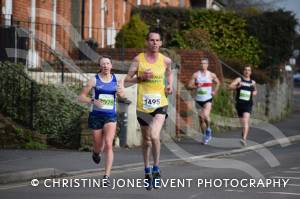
(24, 165)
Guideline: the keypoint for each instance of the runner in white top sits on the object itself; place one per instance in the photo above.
(202, 81)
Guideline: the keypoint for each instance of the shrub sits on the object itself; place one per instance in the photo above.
(133, 34)
(222, 109)
(197, 39)
(227, 31)
(222, 104)
(58, 116)
(15, 92)
(34, 145)
(170, 20)
(275, 31)
(55, 111)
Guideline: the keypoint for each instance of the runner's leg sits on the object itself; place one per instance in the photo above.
(97, 140)
(202, 120)
(245, 123)
(206, 112)
(109, 131)
(155, 128)
(146, 144)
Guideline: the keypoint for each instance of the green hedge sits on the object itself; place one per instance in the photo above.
(276, 33)
(227, 31)
(260, 38)
(58, 116)
(222, 109)
(55, 111)
(15, 92)
(133, 34)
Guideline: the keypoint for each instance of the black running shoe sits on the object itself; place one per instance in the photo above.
(148, 181)
(106, 181)
(96, 157)
(156, 182)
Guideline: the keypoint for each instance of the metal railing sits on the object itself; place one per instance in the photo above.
(17, 95)
(52, 60)
(68, 38)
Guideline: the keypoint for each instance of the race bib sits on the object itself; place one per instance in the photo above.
(107, 101)
(245, 95)
(202, 91)
(151, 101)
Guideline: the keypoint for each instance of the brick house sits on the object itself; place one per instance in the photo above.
(61, 24)
(57, 20)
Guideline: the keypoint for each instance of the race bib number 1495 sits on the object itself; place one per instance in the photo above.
(151, 101)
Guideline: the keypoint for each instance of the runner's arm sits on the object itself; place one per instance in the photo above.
(217, 81)
(192, 84)
(83, 96)
(169, 74)
(131, 77)
(120, 88)
(254, 89)
(235, 83)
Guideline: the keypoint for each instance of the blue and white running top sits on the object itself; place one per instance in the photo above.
(106, 93)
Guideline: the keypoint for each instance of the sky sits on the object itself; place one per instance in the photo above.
(291, 5)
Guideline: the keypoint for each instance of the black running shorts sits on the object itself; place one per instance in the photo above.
(145, 119)
(241, 109)
(200, 104)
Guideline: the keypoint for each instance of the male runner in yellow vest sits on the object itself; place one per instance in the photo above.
(149, 70)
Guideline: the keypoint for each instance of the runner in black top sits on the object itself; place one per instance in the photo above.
(246, 89)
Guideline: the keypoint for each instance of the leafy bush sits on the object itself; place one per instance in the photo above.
(197, 39)
(33, 145)
(58, 116)
(222, 104)
(15, 91)
(170, 20)
(275, 31)
(222, 109)
(228, 34)
(227, 31)
(55, 111)
(33, 140)
(133, 34)
(259, 38)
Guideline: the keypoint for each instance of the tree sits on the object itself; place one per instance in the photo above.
(133, 34)
(275, 31)
(197, 39)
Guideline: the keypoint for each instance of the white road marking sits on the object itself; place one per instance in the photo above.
(295, 168)
(281, 193)
(294, 185)
(194, 196)
(234, 190)
(286, 177)
(12, 186)
(291, 172)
